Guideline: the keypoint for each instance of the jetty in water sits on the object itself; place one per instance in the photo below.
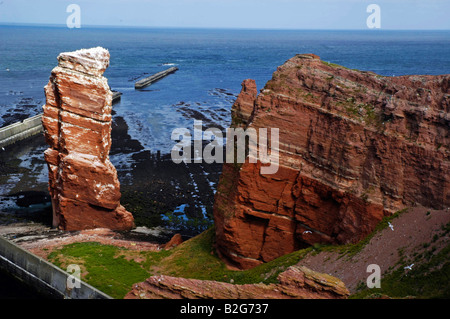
(155, 77)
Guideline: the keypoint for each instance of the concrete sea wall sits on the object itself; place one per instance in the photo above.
(47, 279)
(20, 130)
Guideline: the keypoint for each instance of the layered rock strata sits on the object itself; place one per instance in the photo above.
(83, 183)
(354, 146)
(297, 282)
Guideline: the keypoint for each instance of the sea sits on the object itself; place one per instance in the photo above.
(212, 63)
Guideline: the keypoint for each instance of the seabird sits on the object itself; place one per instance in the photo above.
(307, 232)
(409, 267)
(391, 226)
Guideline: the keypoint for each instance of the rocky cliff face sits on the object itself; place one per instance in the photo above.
(297, 282)
(83, 183)
(354, 146)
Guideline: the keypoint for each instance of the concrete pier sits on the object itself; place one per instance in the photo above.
(20, 130)
(155, 77)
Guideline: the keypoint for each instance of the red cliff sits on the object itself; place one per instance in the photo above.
(354, 146)
(83, 183)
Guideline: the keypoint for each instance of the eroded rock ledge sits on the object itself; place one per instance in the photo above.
(354, 146)
(297, 282)
(83, 183)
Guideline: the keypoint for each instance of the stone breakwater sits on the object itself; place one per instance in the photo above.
(83, 184)
(354, 146)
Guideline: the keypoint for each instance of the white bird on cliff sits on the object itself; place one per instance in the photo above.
(391, 226)
(307, 232)
(408, 267)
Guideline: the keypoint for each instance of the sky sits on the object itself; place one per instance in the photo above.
(247, 14)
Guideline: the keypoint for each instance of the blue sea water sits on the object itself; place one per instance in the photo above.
(212, 64)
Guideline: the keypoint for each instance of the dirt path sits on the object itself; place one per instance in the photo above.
(409, 235)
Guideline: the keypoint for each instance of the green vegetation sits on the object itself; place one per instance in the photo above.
(362, 112)
(370, 117)
(334, 65)
(114, 270)
(102, 266)
(310, 97)
(197, 259)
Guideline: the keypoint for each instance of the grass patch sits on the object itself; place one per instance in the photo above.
(102, 266)
(114, 270)
(197, 259)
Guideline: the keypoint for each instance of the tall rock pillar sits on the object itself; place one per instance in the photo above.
(83, 183)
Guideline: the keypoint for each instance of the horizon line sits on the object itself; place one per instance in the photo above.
(99, 26)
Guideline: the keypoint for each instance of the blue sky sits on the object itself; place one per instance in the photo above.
(265, 14)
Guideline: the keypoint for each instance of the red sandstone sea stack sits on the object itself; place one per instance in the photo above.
(354, 146)
(83, 183)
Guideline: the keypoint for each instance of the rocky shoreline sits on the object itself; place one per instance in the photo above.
(27, 202)
(151, 185)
